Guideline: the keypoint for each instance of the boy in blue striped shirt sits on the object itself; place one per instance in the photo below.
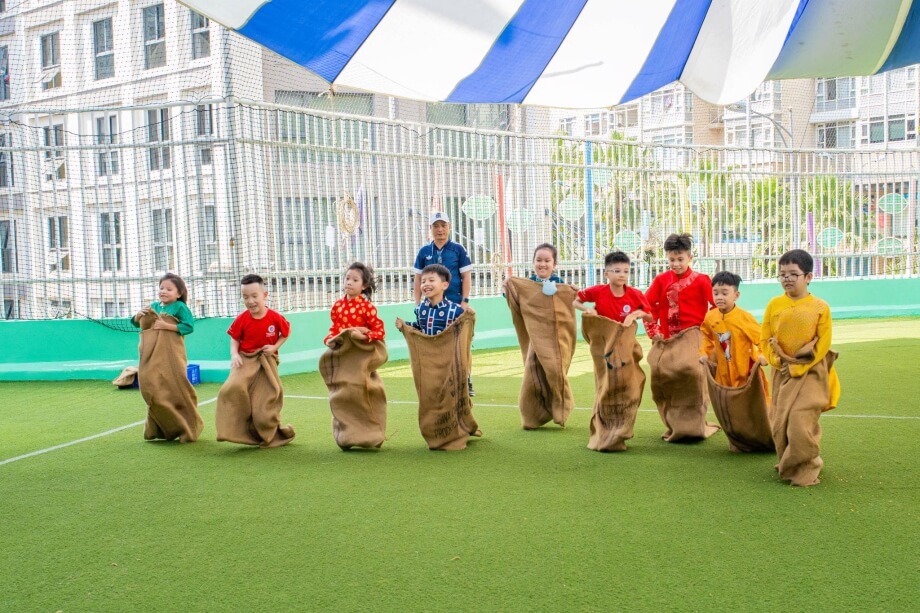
(435, 312)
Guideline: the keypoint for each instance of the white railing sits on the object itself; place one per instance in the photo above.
(89, 221)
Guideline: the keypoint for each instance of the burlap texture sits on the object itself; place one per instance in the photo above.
(546, 332)
(618, 381)
(249, 404)
(743, 412)
(356, 394)
(441, 368)
(678, 386)
(172, 404)
(126, 377)
(797, 406)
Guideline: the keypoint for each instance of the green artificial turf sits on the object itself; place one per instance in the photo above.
(519, 521)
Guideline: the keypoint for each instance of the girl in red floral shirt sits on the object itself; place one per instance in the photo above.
(355, 310)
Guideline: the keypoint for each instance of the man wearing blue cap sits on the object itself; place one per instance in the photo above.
(442, 250)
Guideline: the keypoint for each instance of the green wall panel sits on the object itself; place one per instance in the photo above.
(80, 349)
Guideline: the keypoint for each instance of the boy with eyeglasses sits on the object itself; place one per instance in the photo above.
(796, 341)
(615, 299)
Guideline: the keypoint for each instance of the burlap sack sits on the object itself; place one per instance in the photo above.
(126, 377)
(172, 404)
(356, 394)
(618, 381)
(678, 386)
(545, 327)
(797, 406)
(441, 368)
(249, 404)
(743, 412)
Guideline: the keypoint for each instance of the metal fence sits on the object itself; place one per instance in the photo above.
(95, 204)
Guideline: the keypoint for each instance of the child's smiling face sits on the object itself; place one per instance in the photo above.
(169, 293)
(254, 296)
(544, 264)
(433, 287)
(679, 261)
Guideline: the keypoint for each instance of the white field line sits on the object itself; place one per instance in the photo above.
(478, 404)
(84, 439)
(514, 406)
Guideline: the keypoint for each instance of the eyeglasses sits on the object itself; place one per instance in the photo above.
(792, 276)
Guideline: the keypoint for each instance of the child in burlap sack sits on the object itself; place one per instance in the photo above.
(439, 343)
(172, 404)
(610, 331)
(250, 400)
(544, 322)
(357, 397)
(732, 359)
(679, 299)
(796, 340)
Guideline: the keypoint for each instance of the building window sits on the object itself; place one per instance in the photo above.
(113, 309)
(104, 48)
(6, 161)
(4, 73)
(51, 60)
(110, 238)
(567, 126)
(201, 36)
(204, 128)
(154, 37)
(835, 136)
(595, 124)
(2, 6)
(60, 309)
(58, 244)
(7, 246)
(107, 134)
(207, 233)
(55, 166)
(162, 240)
(158, 132)
(902, 128)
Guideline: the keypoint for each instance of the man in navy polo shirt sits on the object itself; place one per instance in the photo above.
(442, 250)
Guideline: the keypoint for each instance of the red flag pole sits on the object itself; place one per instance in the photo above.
(503, 232)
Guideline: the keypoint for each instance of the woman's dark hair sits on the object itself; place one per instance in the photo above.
(367, 278)
(678, 242)
(179, 283)
(548, 247)
(799, 257)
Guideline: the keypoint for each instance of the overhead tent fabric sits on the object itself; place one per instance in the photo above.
(575, 53)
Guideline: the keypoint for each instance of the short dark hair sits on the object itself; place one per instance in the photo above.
(726, 278)
(616, 257)
(802, 258)
(249, 279)
(367, 277)
(678, 242)
(179, 283)
(548, 247)
(439, 269)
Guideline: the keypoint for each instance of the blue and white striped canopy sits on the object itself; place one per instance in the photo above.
(575, 53)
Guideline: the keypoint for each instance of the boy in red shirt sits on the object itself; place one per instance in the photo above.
(249, 402)
(680, 299)
(615, 300)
